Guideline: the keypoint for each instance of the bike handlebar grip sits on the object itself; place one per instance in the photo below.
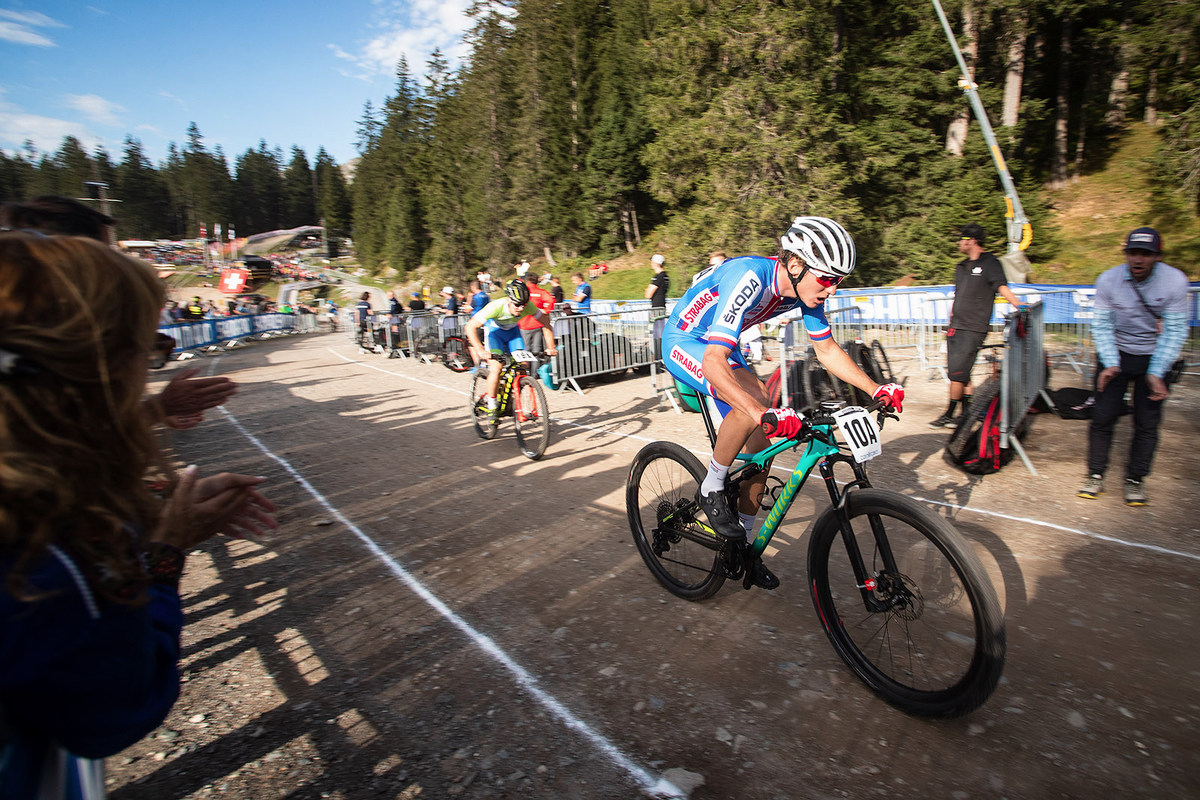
(769, 423)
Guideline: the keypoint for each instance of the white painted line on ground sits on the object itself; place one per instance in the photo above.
(984, 512)
(659, 788)
(1087, 534)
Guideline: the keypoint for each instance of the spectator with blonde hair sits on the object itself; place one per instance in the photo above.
(90, 560)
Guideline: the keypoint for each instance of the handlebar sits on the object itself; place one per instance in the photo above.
(827, 420)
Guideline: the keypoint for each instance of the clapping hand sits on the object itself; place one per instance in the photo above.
(225, 503)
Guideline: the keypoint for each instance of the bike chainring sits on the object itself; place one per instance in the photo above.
(733, 559)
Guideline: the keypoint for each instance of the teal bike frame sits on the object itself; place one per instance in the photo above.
(823, 445)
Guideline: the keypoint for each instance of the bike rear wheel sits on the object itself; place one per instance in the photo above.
(819, 384)
(485, 423)
(882, 363)
(532, 416)
(456, 354)
(860, 354)
(660, 500)
(933, 645)
(972, 417)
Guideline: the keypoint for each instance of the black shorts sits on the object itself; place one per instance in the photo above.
(961, 349)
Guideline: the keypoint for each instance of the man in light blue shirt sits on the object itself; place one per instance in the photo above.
(1139, 324)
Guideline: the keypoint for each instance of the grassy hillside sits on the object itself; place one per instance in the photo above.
(1092, 217)
(1094, 214)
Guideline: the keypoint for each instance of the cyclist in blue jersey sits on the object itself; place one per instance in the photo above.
(501, 318)
(700, 349)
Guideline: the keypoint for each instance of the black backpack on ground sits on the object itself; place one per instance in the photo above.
(975, 445)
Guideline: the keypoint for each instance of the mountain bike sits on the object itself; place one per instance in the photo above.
(519, 395)
(901, 596)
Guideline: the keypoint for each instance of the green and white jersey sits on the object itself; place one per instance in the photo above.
(497, 311)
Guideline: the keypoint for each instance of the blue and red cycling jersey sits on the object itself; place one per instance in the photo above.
(737, 294)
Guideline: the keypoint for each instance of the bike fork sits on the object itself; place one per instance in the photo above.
(865, 580)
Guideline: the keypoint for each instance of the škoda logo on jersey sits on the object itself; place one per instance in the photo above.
(687, 362)
(743, 294)
(691, 315)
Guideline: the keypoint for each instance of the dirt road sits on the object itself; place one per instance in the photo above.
(440, 617)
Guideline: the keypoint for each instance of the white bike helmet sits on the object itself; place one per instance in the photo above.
(821, 243)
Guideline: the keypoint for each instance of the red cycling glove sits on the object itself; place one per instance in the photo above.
(893, 393)
(787, 422)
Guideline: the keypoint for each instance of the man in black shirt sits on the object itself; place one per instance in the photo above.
(394, 305)
(656, 293)
(977, 278)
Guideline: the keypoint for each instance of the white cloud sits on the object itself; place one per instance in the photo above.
(95, 108)
(169, 96)
(17, 126)
(18, 27)
(412, 30)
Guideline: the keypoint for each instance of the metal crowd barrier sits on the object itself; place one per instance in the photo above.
(904, 322)
(1022, 374)
(596, 344)
(226, 333)
(418, 334)
(1067, 320)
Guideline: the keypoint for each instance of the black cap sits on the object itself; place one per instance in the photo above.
(1144, 239)
(973, 230)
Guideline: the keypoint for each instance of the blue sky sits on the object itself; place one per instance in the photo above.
(292, 73)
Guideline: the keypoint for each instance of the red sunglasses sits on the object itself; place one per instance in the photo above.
(825, 280)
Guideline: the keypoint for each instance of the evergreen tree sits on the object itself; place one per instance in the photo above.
(144, 209)
(259, 191)
(333, 196)
(299, 200)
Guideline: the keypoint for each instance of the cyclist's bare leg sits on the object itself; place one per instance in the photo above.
(493, 376)
(739, 433)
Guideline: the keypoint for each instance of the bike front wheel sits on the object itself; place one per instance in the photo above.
(455, 354)
(660, 499)
(484, 421)
(532, 416)
(923, 629)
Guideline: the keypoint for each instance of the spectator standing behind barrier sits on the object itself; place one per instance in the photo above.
(449, 301)
(583, 294)
(1139, 323)
(394, 305)
(556, 290)
(362, 317)
(194, 310)
(977, 278)
(90, 561)
(531, 328)
(416, 304)
(479, 298)
(656, 293)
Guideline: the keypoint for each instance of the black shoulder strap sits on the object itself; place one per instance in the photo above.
(1133, 282)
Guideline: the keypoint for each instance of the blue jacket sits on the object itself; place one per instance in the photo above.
(91, 676)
